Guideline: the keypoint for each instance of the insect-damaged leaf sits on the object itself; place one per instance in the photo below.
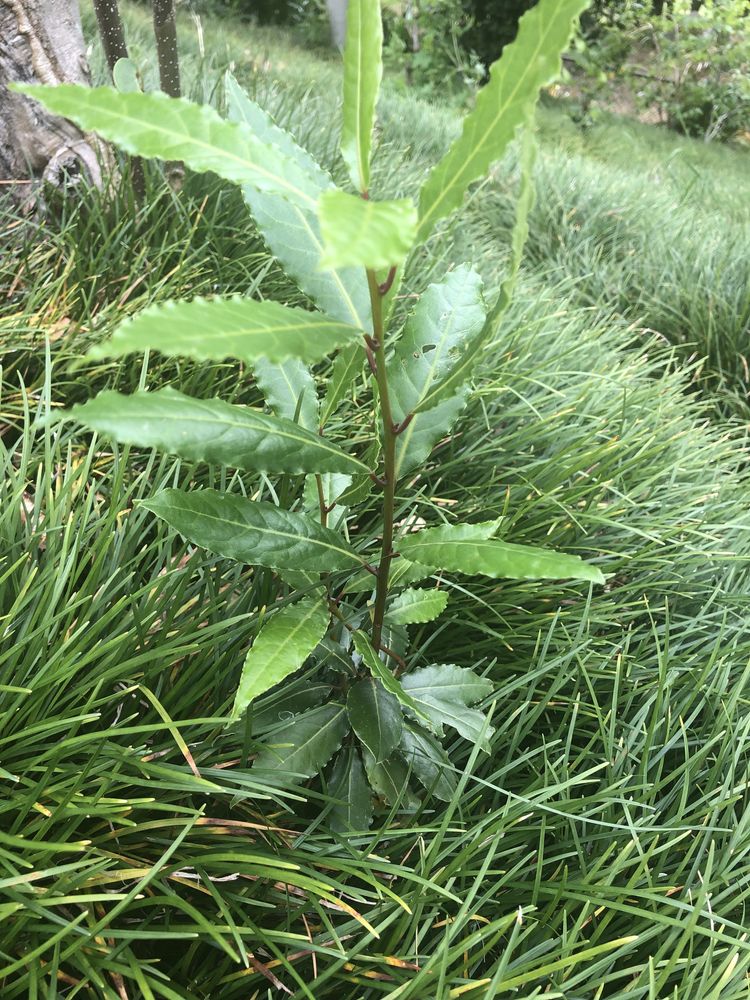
(445, 326)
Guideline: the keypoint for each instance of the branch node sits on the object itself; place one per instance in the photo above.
(400, 428)
(386, 286)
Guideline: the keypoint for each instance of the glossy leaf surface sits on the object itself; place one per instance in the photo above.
(281, 647)
(210, 430)
(291, 229)
(290, 390)
(414, 606)
(307, 743)
(348, 365)
(390, 778)
(214, 329)
(348, 783)
(415, 445)
(446, 692)
(444, 328)
(375, 716)
(169, 128)
(386, 676)
(456, 549)
(252, 532)
(428, 761)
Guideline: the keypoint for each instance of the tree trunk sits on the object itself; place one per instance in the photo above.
(337, 17)
(41, 42)
(111, 31)
(165, 32)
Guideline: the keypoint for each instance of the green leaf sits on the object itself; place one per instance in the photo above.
(403, 572)
(456, 548)
(334, 656)
(363, 70)
(362, 485)
(125, 76)
(396, 639)
(290, 390)
(526, 65)
(309, 741)
(241, 108)
(214, 329)
(448, 321)
(348, 783)
(375, 716)
(415, 444)
(428, 761)
(444, 692)
(386, 677)
(291, 230)
(168, 128)
(416, 606)
(524, 201)
(524, 204)
(281, 647)
(292, 233)
(210, 430)
(475, 531)
(298, 580)
(361, 233)
(348, 365)
(276, 708)
(252, 532)
(333, 484)
(390, 778)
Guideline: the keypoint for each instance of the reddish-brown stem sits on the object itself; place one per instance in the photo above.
(400, 428)
(389, 460)
(325, 510)
(393, 656)
(386, 286)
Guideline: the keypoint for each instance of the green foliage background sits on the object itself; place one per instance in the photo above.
(613, 808)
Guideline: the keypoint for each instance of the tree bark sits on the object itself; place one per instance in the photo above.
(337, 17)
(41, 42)
(165, 32)
(111, 31)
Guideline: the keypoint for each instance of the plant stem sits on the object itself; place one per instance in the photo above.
(112, 35)
(111, 31)
(165, 33)
(322, 501)
(389, 459)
